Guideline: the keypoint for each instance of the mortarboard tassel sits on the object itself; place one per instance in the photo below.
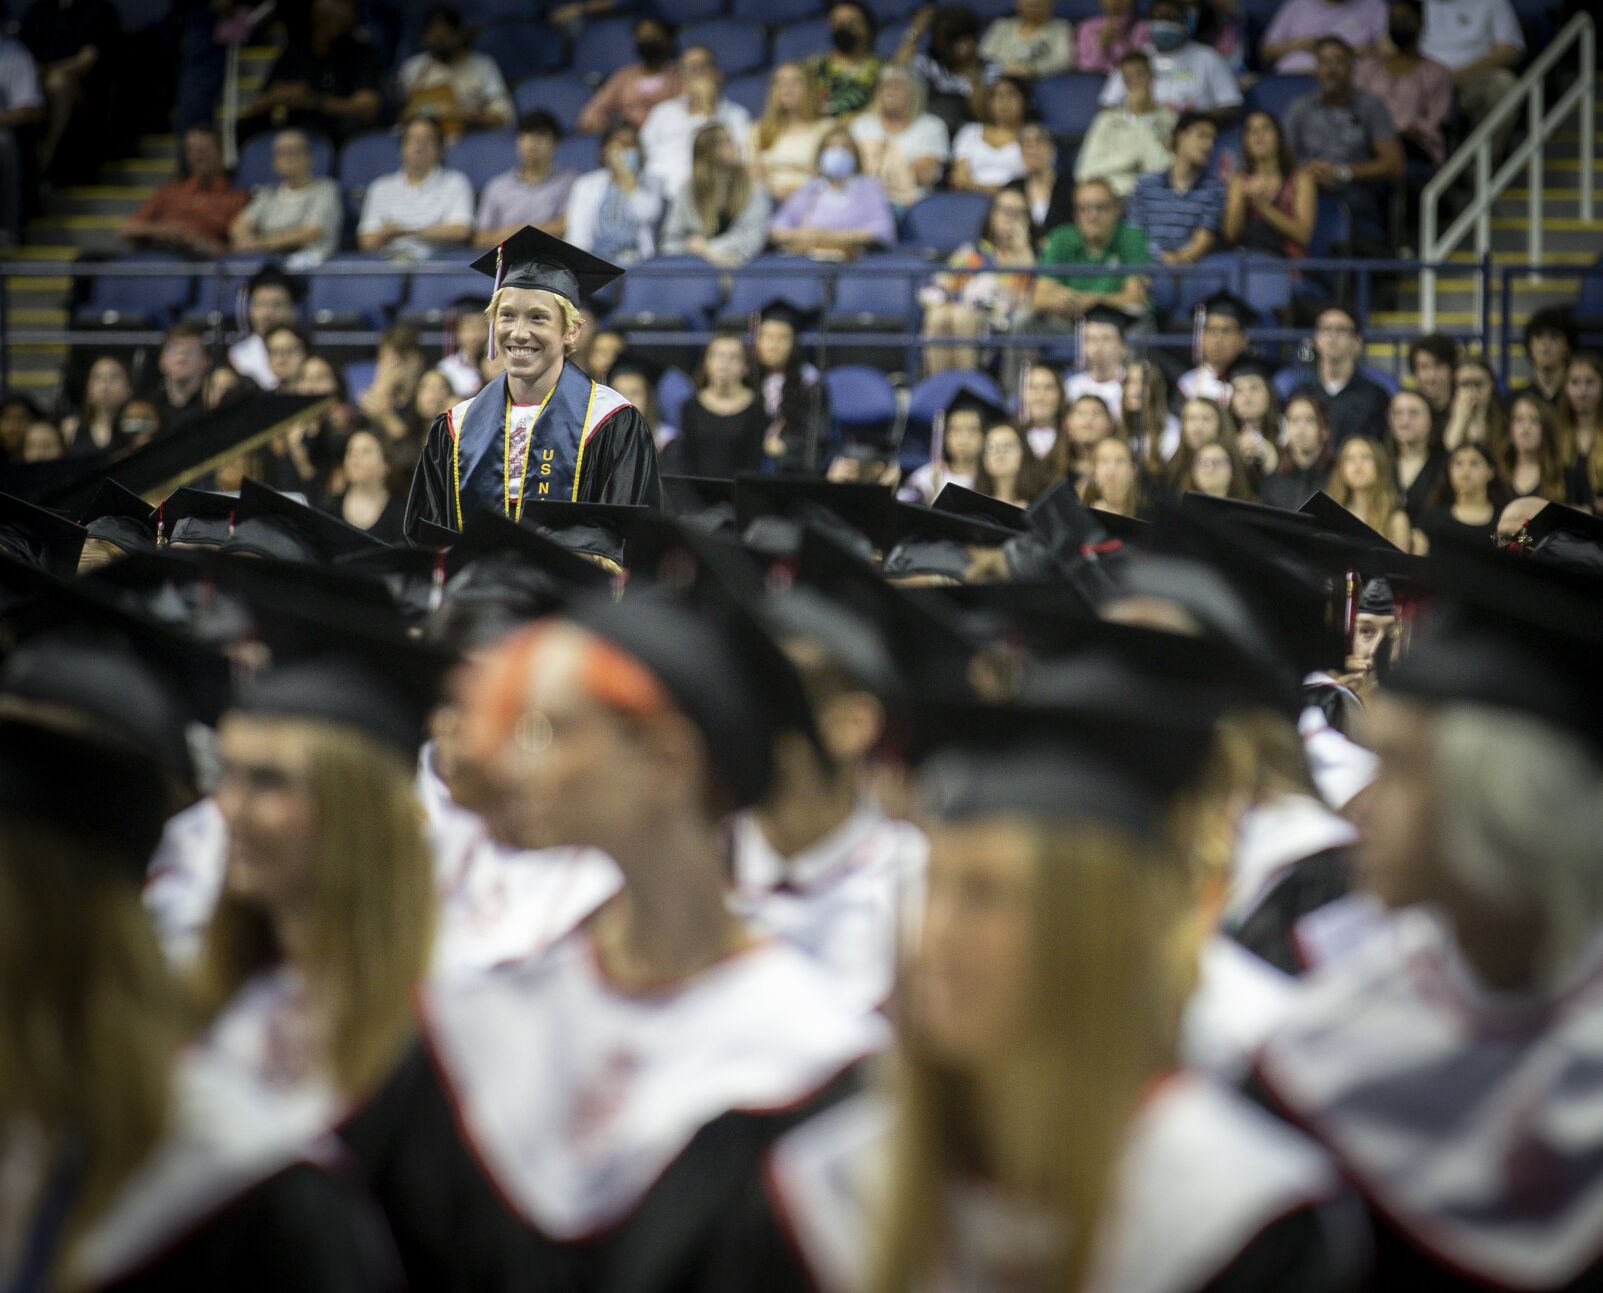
(500, 277)
(1197, 316)
(1079, 342)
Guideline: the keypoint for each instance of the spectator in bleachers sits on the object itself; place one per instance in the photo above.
(421, 209)
(785, 140)
(1180, 210)
(1102, 357)
(270, 299)
(330, 83)
(1345, 138)
(1116, 485)
(1533, 461)
(1471, 494)
(1218, 25)
(986, 156)
(106, 391)
(1098, 236)
(1432, 360)
(1480, 42)
(368, 500)
(631, 92)
(723, 427)
(1550, 339)
(613, 210)
(721, 214)
(793, 398)
(1416, 453)
(1031, 45)
(599, 349)
(1131, 140)
(976, 295)
(670, 129)
(840, 213)
(902, 146)
(1102, 42)
(1007, 470)
(1271, 205)
(1188, 75)
(17, 413)
(959, 441)
(1355, 405)
(1217, 470)
(75, 47)
(22, 107)
(1364, 482)
(1417, 91)
(460, 89)
(1202, 423)
(1253, 405)
(1042, 406)
(389, 403)
(192, 213)
(1580, 425)
(955, 73)
(469, 331)
(846, 74)
(43, 442)
(1050, 195)
(1477, 416)
(1145, 417)
(183, 365)
(312, 445)
(1289, 44)
(286, 351)
(532, 192)
(1087, 425)
(299, 216)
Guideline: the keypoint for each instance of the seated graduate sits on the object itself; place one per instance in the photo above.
(542, 430)
(1447, 1062)
(594, 1120)
(130, 1160)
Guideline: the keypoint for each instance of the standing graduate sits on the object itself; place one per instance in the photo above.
(542, 430)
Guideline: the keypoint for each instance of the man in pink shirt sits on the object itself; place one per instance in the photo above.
(1299, 25)
(1102, 42)
(632, 92)
(1417, 91)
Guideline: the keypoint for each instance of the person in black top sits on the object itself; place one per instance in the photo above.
(329, 84)
(1550, 338)
(722, 430)
(1468, 499)
(75, 45)
(1357, 405)
(1305, 465)
(1432, 361)
(1416, 451)
(369, 500)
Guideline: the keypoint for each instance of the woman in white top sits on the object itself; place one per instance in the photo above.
(987, 157)
(903, 146)
(786, 138)
(613, 211)
(1033, 44)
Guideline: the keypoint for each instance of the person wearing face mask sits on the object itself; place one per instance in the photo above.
(1298, 25)
(846, 75)
(1189, 76)
(460, 89)
(613, 210)
(633, 91)
(1417, 91)
(839, 214)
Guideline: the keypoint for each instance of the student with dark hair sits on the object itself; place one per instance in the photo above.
(412, 212)
(448, 81)
(1181, 210)
(1550, 337)
(1432, 360)
(1305, 463)
(532, 192)
(183, 365)
(1357, 405)
(953, 69)
(847, 73)
(986, 155)
(1468, 500)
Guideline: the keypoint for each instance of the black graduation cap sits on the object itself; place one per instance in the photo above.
(928, 543)
(272, 275)
(40, 537)
(122, 519)
(705, 503)
(414, 576)
(596, 530)
(1566, 535)
(1251, 365)
(630, 363)
(780, 505)
(1108, 314)
(1330, 515)
(267, 586)
(779, 310)
(196, 517)
(176, 587)
(1377, 599)
(270, 524)
(1037, 615)
(968, 399)
(489, 536)
(1227, 304)
(961, 501)
(534, 259)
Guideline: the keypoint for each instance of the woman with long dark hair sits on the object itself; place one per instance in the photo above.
(722, 429)
(1271, 204)
(793, 396)
(1468, 500)
(1305, 464)
(1417, 459)
(1532, 461)
(1580, 420)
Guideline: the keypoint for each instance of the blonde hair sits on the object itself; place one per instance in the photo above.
(773, 122)
(572, 319)
(1111, 918)
(1566, 421)
(717, 192)
(372, 920)
(1382, 495)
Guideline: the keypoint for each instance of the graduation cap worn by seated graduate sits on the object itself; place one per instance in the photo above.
(961, 501)
(771, 512)
(121, 518)
(40, 537)
(1251, 365)
(1223, 304)
(532, 258)
(597, 531)
(270, 524)
(705, 503)
(195, 518)
(928, 544)
(1565, 535)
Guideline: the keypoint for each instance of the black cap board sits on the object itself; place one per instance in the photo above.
(1230, 306)
(1107, 314)
(779, 310)
(1330, 515)
(196, 517)
(121, 518)
(599, 531)
(1566, 535)
(40, 537)
(971, 401)
(273, 276)
(705, 503)
(532, 258)
(1251, 365)
(931, 544)
(488, 535)
(866, 509)
(961, 501)
(270, 524)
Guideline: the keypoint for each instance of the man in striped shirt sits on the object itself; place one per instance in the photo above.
(1180, 209)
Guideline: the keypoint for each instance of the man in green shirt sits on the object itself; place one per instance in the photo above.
(1098, 236)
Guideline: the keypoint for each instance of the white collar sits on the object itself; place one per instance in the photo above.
(1273, 837)
(759, 867)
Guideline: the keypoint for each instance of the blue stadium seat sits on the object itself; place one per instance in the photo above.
(1077, 11)
(674, 387)
(1268, 285)
(756, 285)
(874, 298)
(1212, 274)
(483, 155)
(776, 11)
(579, 152)
(603, 47)
(932, 395)
(117, 301)
(1275, 94)
(797, 41)
(342, 300)
(359, 376)
(739, 46)
(480, 12)
(668, 300)
(750, 92)
(889, 41)
(890, 11)
(680, 12)
(945, 221)
(367, 157)
(256, 160)
(136, 15)
(523, 48)
(986, 10)
(430, 296)
(861, 398)
(562, 95)
(1068, 102)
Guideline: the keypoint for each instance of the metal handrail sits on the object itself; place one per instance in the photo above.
(1530, 93)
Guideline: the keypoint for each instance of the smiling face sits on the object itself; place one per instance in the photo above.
(1211, 470)
(531, 333)
(1410, 420)
(1199, 423)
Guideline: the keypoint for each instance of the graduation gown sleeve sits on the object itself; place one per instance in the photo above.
(621, 463)
(431, 495)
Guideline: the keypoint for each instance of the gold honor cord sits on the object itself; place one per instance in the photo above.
(506, 454)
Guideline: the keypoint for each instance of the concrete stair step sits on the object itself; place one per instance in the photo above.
(139, 172)
(98, 199)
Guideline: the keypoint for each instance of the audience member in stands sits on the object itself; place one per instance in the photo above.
(141, 420)
(1468, 499)
(902, 146)
(631, 92)
(1087, 425)
(1480, 42)
(1202, 422)
(1306, 461)
(1223, 340)
(1272, 204)
(300, 216)
(313, 444)
(840, 213)
(74, 44)
(1432, 360)
(194, 212)
(1533, 462)
(599, 350)
(1344, 137)
(847, 73)
(446, 80)
(330, 83)
(225, 385)
(1416, 451)
(1478, 415)
(1006, 470)
(1253, 405)
(421, 209)
(1550, 338)
(784, 141)
(106, 391)
(463, 364)
(389, 401)
(1131, 140)
(613, 210)
(1102, 358)
(1098, 236)
(794, 400)
(986, 156)
(270, 299)
(1032, 44)
(17, 413)
(1145, 417)
(955, 73)
(635, 380)
(532, 192)
(1218, 25)
(286, 352)
(43, 442)
(1357, 406)
(1116, 485)
(1180, 210)
(1364, 481)
(960, 436)
(1042, 406)
(183, 364)
(721, 214)
(976, 295)
(1417, 91)
(722, 430)
(1050, 194)
(1292, 38)
(1188, 75)
(1580, 424)
(22, 109)
(670, 129)
(1218, 471)
(368, 499)
(1101, 42)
